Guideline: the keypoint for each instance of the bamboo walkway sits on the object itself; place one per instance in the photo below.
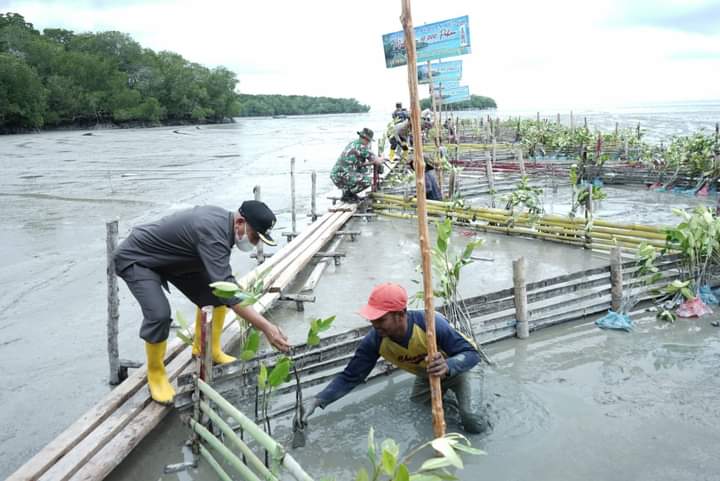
(95, 444)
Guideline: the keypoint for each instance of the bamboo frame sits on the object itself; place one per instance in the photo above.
(438, 415)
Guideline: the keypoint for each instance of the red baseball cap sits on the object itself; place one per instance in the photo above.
(384, 298)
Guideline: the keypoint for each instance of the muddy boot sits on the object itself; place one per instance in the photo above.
(472, 423)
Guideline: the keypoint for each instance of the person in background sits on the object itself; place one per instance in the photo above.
(191, 249)
(398, 335)
(350, 173)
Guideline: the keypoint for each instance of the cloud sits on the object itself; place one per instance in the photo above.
(526, 54)
(701, 17)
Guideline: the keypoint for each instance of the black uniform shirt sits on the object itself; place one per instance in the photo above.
(191, 240)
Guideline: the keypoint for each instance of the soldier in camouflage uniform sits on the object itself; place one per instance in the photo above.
(350, 173)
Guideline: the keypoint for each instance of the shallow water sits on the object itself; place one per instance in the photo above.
(572, 402)
(57, 191)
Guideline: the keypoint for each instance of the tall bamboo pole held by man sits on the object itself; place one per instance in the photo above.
(435, 390)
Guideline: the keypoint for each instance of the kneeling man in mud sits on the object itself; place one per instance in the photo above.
(191, 249)
(398, 335)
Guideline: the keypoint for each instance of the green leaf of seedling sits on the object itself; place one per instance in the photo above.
(388, 462)
(262, 376)
(442, 445)
(184, 338)
(182, 320)
(469, 449)
(324, 325)
(402, 474)
(225, 286)
(435, 463)
(252, 343)
(687, 293)
(280, 372)
(391, 446)
(371, 445)
(223, 294)
(362, 475)
(425, 477)
(313, 339)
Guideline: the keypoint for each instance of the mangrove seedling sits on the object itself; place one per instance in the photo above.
(387, 464)
(525, 197)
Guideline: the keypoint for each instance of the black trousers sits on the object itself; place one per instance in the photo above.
(146, 285)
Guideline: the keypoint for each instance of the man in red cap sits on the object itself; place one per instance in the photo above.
(398, 335)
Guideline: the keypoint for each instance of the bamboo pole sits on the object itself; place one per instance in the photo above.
(313, 198)
(227, 455)
(259, 254)
(588, 215)
(113, 304)
(268, 443)
(214, 464)
(572, 122)
(435, 388)
(292, 196)
(520, 296)
(616, 278)
(229, 434)
(206, 343)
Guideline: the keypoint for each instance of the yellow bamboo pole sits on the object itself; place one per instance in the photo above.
(438, 416)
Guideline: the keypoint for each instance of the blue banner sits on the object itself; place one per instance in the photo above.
(448, 38)
(458, 94)
(445, 85)
(441, 71)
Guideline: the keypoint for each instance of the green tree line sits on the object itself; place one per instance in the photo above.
(477, 102)
(254, 105)
(59, 77)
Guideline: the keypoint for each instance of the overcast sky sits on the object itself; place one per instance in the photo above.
(527, 54)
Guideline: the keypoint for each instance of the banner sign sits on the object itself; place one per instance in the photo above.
(441, 71)
(458, 94)
(448, 38)
(445, 85)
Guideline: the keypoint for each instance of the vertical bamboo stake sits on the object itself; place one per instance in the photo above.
(585, 122)
(617, 129)
(292, 195)
(522, 329)
(206, 343)
(616, 278)
(491, 174)
(558, 118)
(572, 122)
(638, 130)
(435, 389)
(113, 304)
(537, 119)
(451, 187)
(313, 198)
(259, 254)
(588, 217)
(521, 161)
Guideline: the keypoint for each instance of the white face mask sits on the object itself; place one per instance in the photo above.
(243, 244)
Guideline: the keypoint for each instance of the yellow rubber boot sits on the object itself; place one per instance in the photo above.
(160, 388)
(219, 357)
(196, 337)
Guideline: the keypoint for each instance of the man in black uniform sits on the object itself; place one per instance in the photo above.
(191, 249)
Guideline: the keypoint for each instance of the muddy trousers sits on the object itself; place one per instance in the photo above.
(351, 182)
(146, 285)
(461, 387)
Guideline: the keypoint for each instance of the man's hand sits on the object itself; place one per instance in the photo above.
(309, 408)
(277, 338)
(437, 366)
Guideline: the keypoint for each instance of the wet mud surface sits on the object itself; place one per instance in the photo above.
(58, 190)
